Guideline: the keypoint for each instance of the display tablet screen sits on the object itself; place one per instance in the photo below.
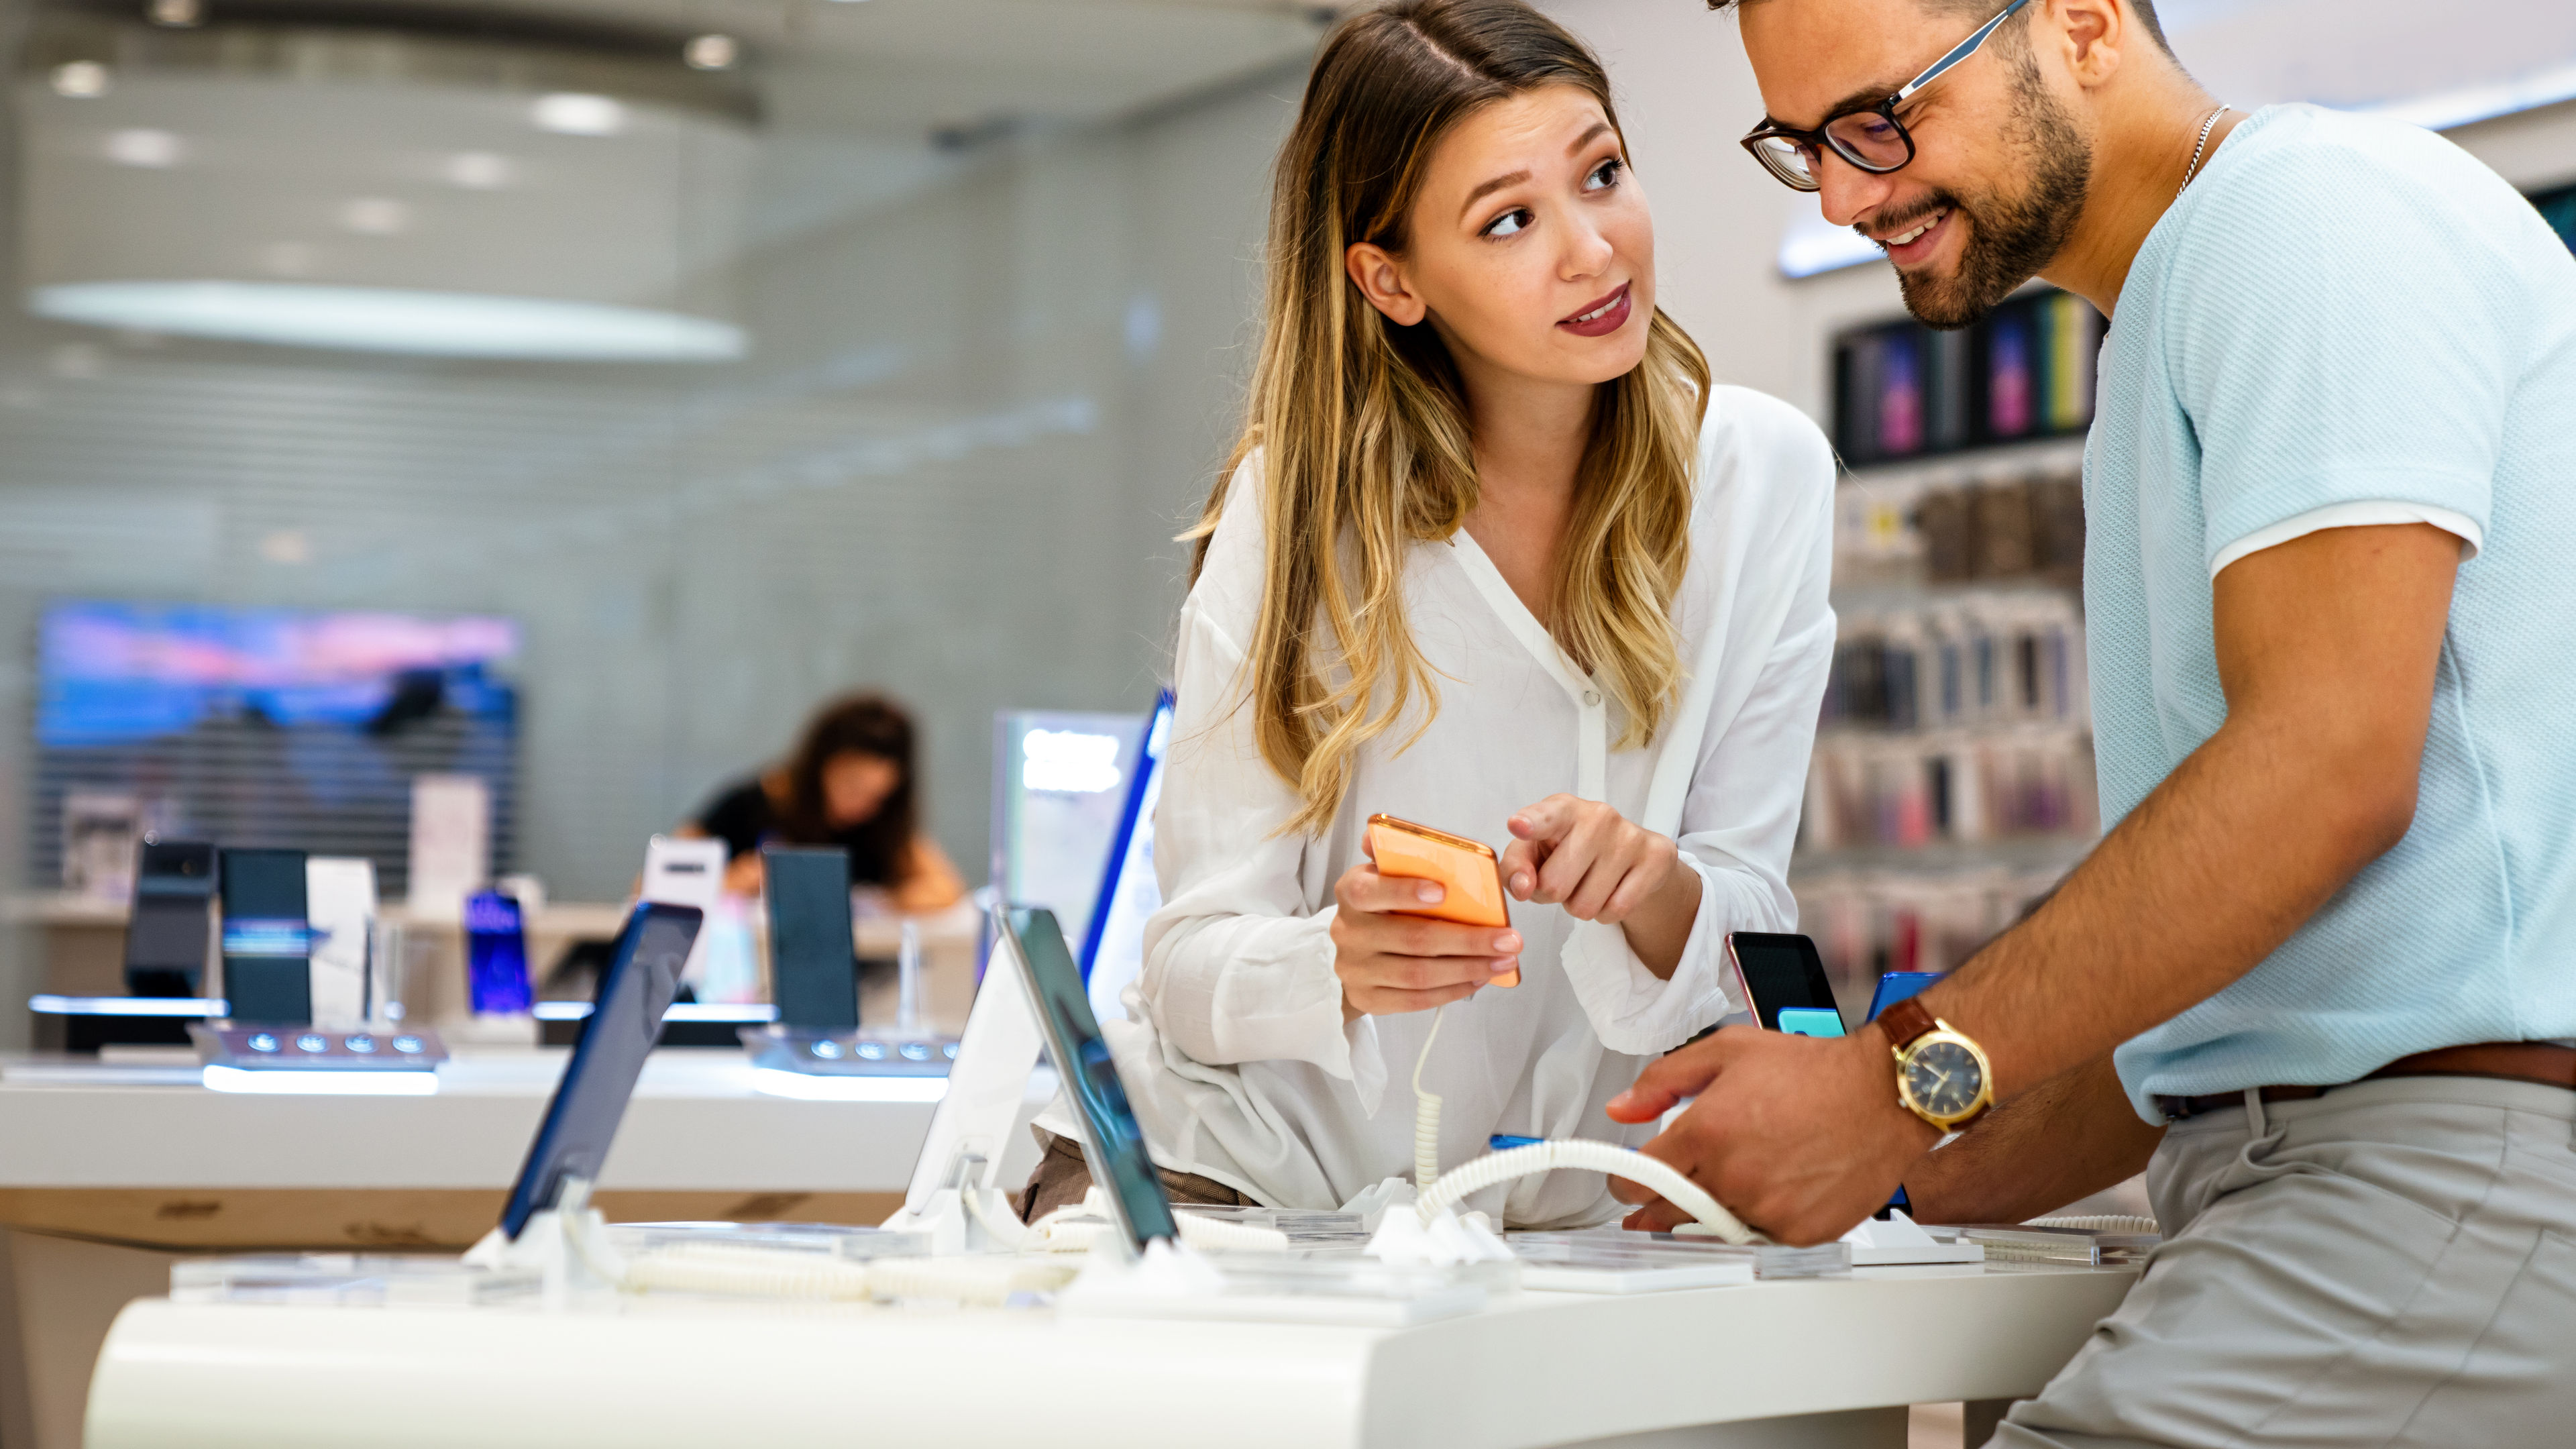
(1113, 1140)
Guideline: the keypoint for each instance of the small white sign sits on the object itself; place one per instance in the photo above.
(451, 844)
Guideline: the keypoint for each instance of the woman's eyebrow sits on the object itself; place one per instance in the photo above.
(1497, 184)
(1598, 127)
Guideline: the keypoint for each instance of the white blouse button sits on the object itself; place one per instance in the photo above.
(1592, 699)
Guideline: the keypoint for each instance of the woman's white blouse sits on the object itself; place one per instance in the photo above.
(1235, 1045)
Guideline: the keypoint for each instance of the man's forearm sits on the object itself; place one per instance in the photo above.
(2067, 1138)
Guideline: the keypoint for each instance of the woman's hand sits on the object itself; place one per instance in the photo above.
(1600, 866)
(1391, 964)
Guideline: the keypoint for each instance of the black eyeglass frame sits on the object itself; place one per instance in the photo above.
(1822, 139)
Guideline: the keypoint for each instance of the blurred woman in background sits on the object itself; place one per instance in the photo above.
(850, 784)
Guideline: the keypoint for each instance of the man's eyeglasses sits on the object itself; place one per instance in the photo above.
(1869, 137)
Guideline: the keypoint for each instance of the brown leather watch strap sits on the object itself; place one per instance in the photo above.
(1905, 1021)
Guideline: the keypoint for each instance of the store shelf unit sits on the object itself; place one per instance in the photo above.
(1953, 780)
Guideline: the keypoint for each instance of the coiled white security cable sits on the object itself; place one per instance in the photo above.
(1426, 1115)
(1605, 1157)
(2103, 1223)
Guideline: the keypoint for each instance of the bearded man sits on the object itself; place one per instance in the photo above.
(2318, 979)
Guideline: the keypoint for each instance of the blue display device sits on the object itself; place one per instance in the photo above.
(1113, 1142)
(1810, 1021)
(496, 956)
(1897, 986)
(581, 1118)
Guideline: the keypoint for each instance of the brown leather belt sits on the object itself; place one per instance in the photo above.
(2545, 1063)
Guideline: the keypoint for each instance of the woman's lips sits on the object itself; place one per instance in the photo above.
(1601, 318)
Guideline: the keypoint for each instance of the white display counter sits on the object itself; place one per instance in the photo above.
(110, 1169)
(1812, 1363)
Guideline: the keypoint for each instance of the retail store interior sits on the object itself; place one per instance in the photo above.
(461, 458)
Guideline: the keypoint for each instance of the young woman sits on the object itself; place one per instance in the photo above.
(850, 784)
(1497, 558)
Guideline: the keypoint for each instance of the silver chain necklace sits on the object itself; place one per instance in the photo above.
(2203, 145)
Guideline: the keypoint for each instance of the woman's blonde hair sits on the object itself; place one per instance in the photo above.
(1363, 428)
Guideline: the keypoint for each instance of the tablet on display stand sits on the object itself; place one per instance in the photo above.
(956, 1194)
(1112, 1140)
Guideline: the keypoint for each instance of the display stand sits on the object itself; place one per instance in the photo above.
(565, 1245)
(248, 1057)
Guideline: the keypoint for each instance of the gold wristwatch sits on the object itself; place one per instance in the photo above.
(1941, 1076)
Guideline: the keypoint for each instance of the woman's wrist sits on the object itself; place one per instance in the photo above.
(1661, 927)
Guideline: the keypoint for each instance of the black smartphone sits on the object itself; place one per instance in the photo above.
(813, 958)
(581, 1118)
(267, 942)
(1113, 1142)
(173, 918)
(1784, 982)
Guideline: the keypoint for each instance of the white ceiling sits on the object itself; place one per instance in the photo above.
(854, 90)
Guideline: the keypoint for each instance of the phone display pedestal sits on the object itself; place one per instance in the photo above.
(566, 1246)
(249, 1057)
(860, 1053)
(1895, 1241)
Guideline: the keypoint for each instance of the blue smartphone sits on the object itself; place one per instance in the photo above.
(582, 1116)
(813, 958)
(1897, 986)
(496, 955)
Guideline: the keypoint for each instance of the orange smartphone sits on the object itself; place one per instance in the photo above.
(1467, 869)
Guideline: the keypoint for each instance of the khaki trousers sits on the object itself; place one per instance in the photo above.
(1063, 1177)
(2393, 1263)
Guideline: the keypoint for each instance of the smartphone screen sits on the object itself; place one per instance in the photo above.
(174, 896)
(266, 940)
(496, 956)
(1782, 973)
(582, 1116)
(1113, 1142)
(813, 960)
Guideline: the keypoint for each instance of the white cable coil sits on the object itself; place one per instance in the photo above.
(774, 1273)
(1426, 1115)
(2100, 1223)
(1456, 1185)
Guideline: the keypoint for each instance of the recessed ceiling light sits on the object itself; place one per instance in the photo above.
(390, 319)
(375, 216)
(179, 14)
(573, 113)
(479, 170)
(80, 79)
(138, 146)
(711, 52)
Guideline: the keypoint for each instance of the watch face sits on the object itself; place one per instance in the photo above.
(1943, 1077)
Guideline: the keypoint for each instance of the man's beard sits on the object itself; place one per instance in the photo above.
(2009, 240)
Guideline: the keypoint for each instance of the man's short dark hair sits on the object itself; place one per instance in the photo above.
(2146, 12)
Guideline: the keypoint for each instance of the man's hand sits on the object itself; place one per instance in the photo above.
(1602, 866)
(1801, 1138)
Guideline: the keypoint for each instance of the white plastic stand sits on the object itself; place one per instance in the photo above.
(1895, 1241)
(956, 1225)
(567, 1245)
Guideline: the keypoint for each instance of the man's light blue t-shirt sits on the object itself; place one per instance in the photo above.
(2350, 313)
